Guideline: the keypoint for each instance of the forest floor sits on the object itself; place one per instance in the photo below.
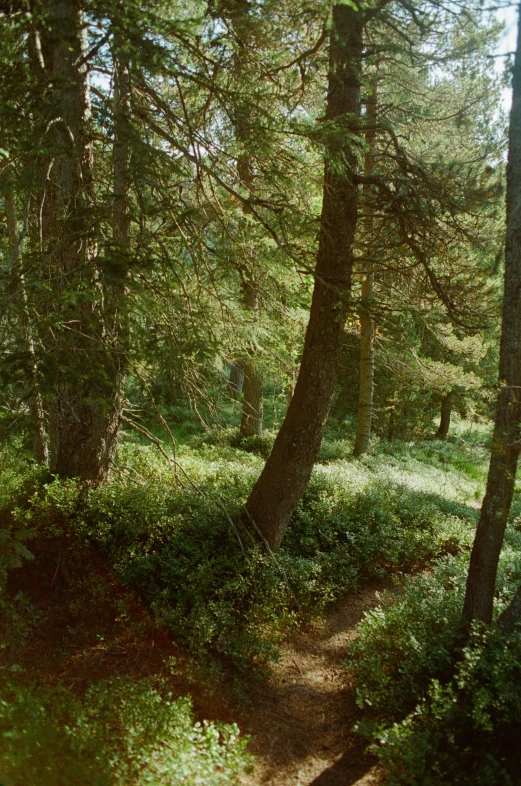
(300, 720)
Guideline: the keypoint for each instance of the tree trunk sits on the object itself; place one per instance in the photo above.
(36, 407)
(239, 12)
(85, 406)
(288, 468)
(365, 401)
(446, 412)
(236, 379)
(481, 581)
(252, 403)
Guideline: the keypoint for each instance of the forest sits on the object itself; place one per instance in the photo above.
(260, 363)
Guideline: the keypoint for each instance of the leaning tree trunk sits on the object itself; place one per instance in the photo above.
(36, 407)
(365, 400)
(84, 408)
(288, 468)
(446, 412)
(481, 581)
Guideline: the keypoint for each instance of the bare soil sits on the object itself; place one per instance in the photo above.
(300, 721)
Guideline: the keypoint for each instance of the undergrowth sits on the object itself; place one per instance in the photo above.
(174, 541)
(442, 707)
(122, 732)
(173, 537)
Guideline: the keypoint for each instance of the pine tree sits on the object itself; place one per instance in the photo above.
(287, 471)
(506, 440)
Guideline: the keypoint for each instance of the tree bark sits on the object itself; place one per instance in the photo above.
(288, 468)
(236, 378)
(446, 412)
(36, 407)
(239, 13)
(365, 401)
(85, 406)
(481, 581)
(253, 402)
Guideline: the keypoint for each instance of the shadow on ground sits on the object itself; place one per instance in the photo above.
(301, 722)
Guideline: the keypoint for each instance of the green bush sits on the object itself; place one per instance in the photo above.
(442, 708)
(176, 547)
(19, 481)
(122, 732)
(408, 640)
(465, 732)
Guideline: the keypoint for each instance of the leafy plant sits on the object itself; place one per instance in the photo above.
(442, 707)
(122, 731)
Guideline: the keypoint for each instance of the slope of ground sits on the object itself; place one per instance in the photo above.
(88, 627)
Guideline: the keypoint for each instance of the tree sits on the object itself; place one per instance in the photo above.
(506, 440)
(36, 407)
(428, 221)
(365, 401)
(85, 403)
(288, 468)
(241, 27)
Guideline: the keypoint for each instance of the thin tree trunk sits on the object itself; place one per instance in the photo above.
(84, 408)
(446, 412)
(36, 408)
(365, 401)
(253, 402)
(116, 320)
(121, 159)
(481, 581)
(288, 468)
(236, 379)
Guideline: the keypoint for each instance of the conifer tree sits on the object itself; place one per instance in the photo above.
(287, 471)
(506, 439)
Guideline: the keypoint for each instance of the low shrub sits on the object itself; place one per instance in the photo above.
(122, 732)
(180, 551)
(408, 640)
(19, 480)
(464, 732)
(442, 708)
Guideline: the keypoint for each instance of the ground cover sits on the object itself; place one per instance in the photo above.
(166, 565)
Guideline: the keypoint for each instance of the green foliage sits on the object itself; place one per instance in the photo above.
(260, 445)
(19, 481)
(466, 731)
(122, 731)
(171, 541)
(442, 707)
(409, 639)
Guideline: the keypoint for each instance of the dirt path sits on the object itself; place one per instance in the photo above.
(301, 721)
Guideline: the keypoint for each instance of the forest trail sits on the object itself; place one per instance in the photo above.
(301, 720)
